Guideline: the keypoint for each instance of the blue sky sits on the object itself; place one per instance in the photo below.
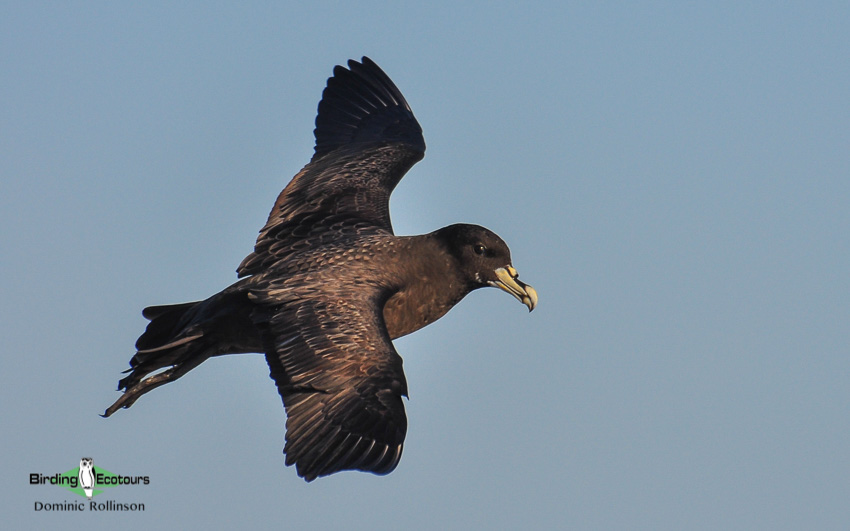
(673, 179)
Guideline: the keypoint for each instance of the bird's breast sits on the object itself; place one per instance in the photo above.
(418, 305)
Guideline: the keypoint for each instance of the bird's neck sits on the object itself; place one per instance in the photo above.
(428, 288)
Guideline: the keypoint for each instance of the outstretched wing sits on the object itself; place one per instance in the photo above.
(366, 140)
(341, 382)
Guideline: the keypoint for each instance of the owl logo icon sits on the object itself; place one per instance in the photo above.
(87, 475)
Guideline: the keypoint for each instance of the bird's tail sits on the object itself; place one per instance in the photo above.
(174, 338)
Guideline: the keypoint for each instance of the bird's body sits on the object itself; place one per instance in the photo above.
(329, 285)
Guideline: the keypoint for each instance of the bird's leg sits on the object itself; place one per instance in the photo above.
(152, 382)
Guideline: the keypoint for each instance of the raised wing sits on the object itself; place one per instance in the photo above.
(366, 140)
(341, 382)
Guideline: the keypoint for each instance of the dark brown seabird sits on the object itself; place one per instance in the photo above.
(329, 286)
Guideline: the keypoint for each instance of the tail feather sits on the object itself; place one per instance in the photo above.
(172, 339)
(167, 340)
(166, 324)
(181, 336)
(171, 354)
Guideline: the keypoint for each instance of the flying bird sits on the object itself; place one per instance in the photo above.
(329, 286)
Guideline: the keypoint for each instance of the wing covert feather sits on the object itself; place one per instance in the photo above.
(341, 382)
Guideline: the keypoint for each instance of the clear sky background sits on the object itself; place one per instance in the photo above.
(673, 179)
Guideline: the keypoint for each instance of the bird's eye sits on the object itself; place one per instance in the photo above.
(479, 249)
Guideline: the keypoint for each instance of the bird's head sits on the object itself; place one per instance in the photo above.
(485, 260)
